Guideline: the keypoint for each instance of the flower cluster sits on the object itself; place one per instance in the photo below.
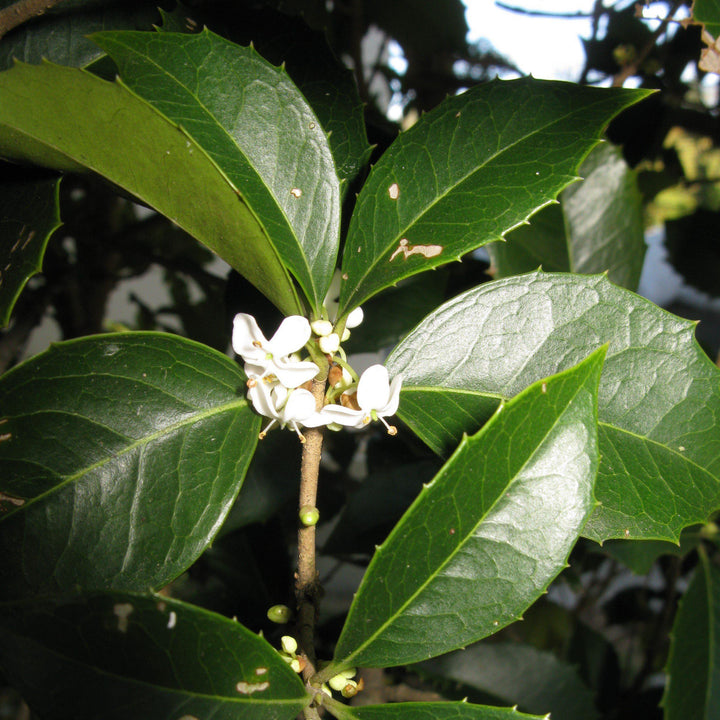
(279, 378)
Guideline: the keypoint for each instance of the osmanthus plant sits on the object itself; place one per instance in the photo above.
(562, 404)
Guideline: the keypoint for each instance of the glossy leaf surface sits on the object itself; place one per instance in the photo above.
(256, 126)
(520, 675)
(486, 536)
(121, 137)
(29, 214)
(659, 403)
(62, 37)
(121, 456)
(598, 227)
(430, 711)
(468, 172)
(693, 668)
(118, 656)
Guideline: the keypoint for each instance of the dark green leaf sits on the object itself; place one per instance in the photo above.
(29, 214)
(487, 535)
(707, 12)
(118, 656)
(693, 687)
(121, 456)
(659, 404)
(640, 555)
(598, 227)
(68, 119)
(429, 711)
(62, 37)
(468, 172)
(520, 675)
(257, 127)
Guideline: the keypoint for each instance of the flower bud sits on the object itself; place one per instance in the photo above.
(309, 515)
(322, 327)
(280, 614)
(289, 644)
(338, 682)
(350, 689)
(329, 343)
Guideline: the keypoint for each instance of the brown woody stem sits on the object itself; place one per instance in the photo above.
(21, 11)
(307, 586)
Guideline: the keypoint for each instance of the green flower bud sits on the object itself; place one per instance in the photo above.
(350, 689)
(280, 614)
(309, 515)
(289, 644)
(338, 682)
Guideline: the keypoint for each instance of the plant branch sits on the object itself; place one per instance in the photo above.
(543, 13)
(632, 68)
(21, 12)
(307, 585)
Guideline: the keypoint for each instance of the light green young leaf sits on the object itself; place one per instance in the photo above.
(29, 214)
(68, 119)
(121, 456)
(119, 656)
(466, 173)
(487, 535)
(251, 119)
(598, 227)
(428, 711)
(659, 403)
(693, 688)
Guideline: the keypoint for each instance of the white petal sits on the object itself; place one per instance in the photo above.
(293, 333)
(293, 374)
(392, 404)
(262, 400)
(245, 333)
(354, 318)
(299, 406)
(373, 389)
(343, 416)
(333, 295)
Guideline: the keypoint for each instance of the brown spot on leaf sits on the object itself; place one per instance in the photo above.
(394, 191)
(405, 249)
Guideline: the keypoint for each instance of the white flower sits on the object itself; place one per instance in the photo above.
(286, 407)
(375, 399)
(273, 357)
(332, 304)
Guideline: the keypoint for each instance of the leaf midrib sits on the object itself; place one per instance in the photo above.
(144, 683)
(217, 124)
(461, 545)
(462, 179)
(601, 423)
(190, 420)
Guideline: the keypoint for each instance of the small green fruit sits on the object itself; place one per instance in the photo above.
(309, 515)
(280, 614)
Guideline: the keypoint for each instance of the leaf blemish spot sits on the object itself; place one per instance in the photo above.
(394, 191)
(249, 688)
(18, 502)
(543, 387)
(5, 436)
(406, 249)
(296, 192)
(122, 611)
(261, 670)
(172, 620)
